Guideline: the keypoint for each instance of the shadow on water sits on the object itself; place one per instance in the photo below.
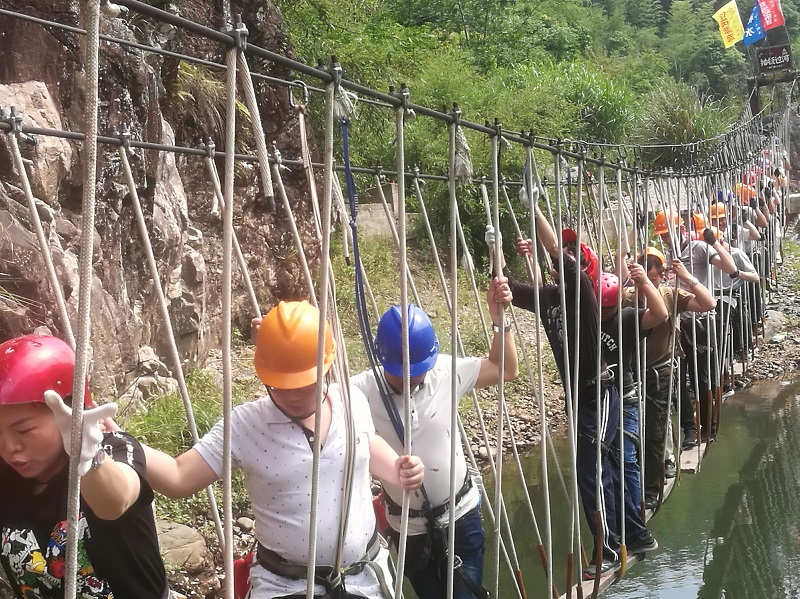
(732, 531)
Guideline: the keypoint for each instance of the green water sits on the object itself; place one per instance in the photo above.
(732, 531)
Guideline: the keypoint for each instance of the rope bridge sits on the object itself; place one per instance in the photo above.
(611, 210)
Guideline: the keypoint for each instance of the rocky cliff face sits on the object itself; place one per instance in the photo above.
(162, 100)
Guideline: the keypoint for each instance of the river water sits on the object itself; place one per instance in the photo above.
(731, 531)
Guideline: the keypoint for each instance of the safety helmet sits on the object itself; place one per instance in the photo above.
(745, 192)
(699, 222)
(718, 211)
(286, 346)
(33, 364)
(609, 287)
(651, 251)
(423, 346)
(590, 263)
(660, 222)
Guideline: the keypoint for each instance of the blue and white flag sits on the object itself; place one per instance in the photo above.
(755, 28)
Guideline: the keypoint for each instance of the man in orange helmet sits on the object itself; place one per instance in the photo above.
(271, 442)
(118, 552)
(698, 342)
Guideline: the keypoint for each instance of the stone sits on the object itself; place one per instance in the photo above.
(183, 547)
(245, 523)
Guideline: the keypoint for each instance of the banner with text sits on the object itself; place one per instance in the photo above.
(771, 14)
(730, 24)
(755, 29)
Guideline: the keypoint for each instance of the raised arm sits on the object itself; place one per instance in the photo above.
(656, 311)
(497, 296)
(702, 300)
(723, 259)
(177, 477)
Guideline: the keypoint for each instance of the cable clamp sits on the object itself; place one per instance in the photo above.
(239, 34)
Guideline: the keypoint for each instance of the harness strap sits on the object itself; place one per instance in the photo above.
(395, 509)
(273, 562)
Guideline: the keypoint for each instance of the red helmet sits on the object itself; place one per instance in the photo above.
(609, 287)
(33, 364)
(590, 263)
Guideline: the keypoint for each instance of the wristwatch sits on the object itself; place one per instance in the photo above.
(504, 329)
(98, 458)
(735, 275)
(695, 281)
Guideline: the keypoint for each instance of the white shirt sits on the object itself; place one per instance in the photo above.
(743, 263)
(275, 457)
(431, 409)
(697, 256)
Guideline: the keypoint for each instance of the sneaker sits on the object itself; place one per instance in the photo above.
(728, 391)
(606, 567)
(670, 468)
(689, 438)
(643, 544)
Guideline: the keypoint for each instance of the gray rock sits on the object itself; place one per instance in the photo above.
(183, 547)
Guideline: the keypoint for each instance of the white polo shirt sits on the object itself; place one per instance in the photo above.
(275, 457)
(431, 410)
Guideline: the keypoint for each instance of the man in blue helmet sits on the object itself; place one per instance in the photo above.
(431, 409)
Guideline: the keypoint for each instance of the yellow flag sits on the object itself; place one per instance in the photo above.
(730, 24)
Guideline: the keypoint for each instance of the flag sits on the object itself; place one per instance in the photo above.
(771, 15)
(730, 23)
(755, 29)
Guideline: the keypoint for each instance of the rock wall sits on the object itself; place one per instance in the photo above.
(162, 100)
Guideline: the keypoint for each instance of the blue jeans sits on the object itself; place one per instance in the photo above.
(630, 446)
(430, 582)
(634, 525)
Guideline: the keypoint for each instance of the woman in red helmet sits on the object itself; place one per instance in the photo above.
(272, 441)
(118, 545)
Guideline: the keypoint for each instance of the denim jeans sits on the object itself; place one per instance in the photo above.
(630, 446)
(430, 582)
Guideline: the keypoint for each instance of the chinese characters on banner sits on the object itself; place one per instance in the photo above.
(730, 24)
(755, 29)
(771, 14)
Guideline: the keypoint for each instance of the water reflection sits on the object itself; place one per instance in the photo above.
(732, 532)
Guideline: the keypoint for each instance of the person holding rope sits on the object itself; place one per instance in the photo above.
(619, 327)
(431, 410)
(563, 329)
(118, 553)
(272, 440)
(660, 378)
(698, 256)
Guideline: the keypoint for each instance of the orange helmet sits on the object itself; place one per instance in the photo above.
(699, 222)
(745, 193)
(651, 251)
(286, 346)
(718, 211)
(660, 225)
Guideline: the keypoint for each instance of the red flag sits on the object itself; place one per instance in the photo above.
(771, 14)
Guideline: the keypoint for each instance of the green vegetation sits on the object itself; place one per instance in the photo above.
(640, 71)
(164, 426)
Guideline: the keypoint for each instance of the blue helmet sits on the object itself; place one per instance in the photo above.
(423, 346)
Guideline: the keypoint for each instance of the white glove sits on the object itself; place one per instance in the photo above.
(490, 237)
(92, 435)
(523, 195)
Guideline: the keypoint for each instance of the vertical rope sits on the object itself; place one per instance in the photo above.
(401, 225)
(453, 208)
(255, 119)
(44, 246)
(177, 367)
(327, 195)
(91, 14)
(226, 282)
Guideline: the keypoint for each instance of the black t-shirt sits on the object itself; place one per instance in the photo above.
(117, 559)
(551, 317)
(609, 336)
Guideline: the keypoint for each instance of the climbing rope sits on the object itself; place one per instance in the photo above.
(91, 16)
